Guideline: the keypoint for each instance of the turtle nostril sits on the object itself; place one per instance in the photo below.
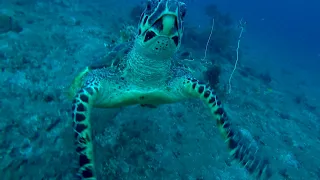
(149, 35)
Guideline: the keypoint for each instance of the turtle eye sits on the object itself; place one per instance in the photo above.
(175, 40)
(149, 35)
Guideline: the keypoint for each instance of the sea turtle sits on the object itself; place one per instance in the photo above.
(147, 75)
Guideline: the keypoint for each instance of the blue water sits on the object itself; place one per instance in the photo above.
(272, 97)
(290, 27)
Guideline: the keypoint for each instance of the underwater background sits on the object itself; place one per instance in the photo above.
(273, 100)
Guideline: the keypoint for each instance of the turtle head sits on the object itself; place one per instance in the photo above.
(161, 28)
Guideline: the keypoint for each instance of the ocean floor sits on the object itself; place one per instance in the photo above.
(47, 44)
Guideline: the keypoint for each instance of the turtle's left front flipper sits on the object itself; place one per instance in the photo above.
(240, 148)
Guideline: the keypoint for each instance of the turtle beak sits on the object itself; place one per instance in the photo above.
(167, 25)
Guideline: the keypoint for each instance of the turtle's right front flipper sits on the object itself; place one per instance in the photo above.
(81, 107)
